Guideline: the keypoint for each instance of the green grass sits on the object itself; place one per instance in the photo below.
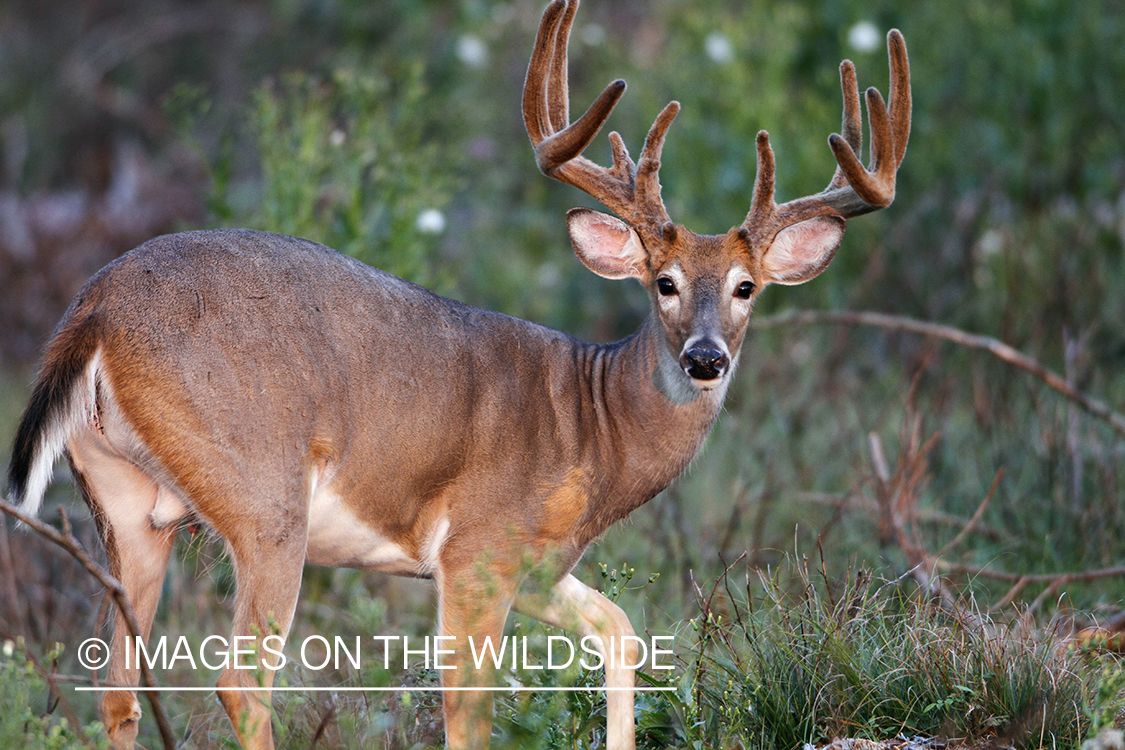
(852, 659)
(1007, 223)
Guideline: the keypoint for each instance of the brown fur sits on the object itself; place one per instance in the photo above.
(307, 407)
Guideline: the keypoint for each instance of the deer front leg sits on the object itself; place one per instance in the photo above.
(471, 603)
(574, 606)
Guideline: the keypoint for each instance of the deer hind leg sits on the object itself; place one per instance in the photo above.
(121, 498)
(473, 601)
(574, 606)
(268, 552)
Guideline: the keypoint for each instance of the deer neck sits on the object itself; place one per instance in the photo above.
(649, 414)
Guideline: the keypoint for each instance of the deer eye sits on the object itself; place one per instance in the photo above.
(665, 286)
(744, 290)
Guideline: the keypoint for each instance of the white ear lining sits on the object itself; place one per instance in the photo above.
(606, 245)
(802, 251)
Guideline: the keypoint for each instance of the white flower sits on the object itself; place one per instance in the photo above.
(472, 51)
(431, 221)
(718, 48)
(990, 244)
(863, 37)
(592, 35)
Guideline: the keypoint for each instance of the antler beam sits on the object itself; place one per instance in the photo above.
(853, 190)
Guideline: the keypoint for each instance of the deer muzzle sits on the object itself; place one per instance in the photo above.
(705, 360)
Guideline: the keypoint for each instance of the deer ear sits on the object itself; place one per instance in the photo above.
(802, 251)
(606, 245)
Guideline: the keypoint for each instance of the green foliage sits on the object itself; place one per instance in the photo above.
(346, 163)
(21, 726)
(801, 661)
(1105, 704)
(348, 160)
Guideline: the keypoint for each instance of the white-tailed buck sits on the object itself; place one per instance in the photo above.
(309, 409)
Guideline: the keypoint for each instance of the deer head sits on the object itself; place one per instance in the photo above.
(703, 287)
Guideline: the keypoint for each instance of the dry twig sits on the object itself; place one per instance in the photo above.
(70, 543)
(995, 347)
(1026, 578)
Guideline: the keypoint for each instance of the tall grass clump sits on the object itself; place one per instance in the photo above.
(809, 662)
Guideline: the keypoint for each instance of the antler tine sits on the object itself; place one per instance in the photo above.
(558, 97)
(900, 104)
(852, 126)
(545, 98)
(762, 206)
(631, 191)
(875, 184)
(557, 149)
(536, 106)
(853, 190)
(648, 168)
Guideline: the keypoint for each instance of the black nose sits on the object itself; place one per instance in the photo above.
(704, 362)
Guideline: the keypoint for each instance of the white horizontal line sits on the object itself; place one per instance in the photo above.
(521, 689)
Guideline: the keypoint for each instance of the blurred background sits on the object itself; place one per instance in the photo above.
(391, 130)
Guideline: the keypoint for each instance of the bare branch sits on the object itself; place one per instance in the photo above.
(1009, 597)
(995, 347)
(68, 542)
(1026, 578)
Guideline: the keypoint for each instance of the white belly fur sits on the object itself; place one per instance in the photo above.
(338, 539)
